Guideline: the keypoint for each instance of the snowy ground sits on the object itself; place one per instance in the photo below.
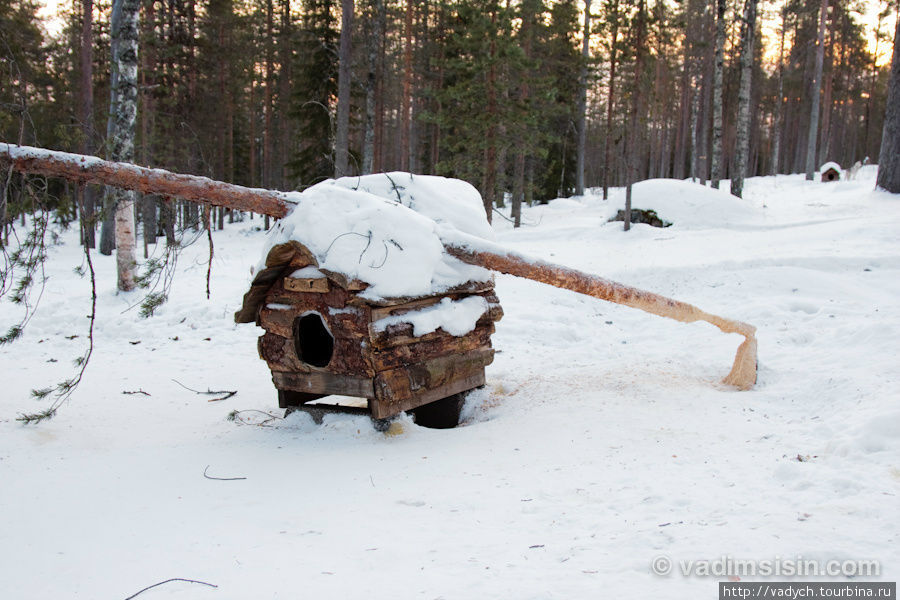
(602, 441)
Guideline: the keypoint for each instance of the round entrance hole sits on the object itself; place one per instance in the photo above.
(313, 341)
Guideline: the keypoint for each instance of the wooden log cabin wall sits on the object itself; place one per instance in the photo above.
(323, 337)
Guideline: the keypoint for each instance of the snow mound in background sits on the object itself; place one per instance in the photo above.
(393, 247)
(687, 205)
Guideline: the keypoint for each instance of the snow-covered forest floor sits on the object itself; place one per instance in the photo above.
(602, 441)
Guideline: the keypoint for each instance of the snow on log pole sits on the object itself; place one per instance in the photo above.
(471, 250)
(90, 169)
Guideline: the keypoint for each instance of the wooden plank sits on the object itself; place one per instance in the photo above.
(402, 334)
(280, 354)
(288, 398)
(297, 284)
(279, 322)
(384, 359)
(382, 409)
(407, 387)
(466, 289)
(325, 383)
(353, 285)
(386, 311)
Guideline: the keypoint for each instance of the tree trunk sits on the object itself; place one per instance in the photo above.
(889, 158)
(742, 143)
(86, 109)
(122, 149)
(76, 167)
(108, 225)
(716, 172)
(614, 34)
(406, 103)
(632, 137)
(581, 110)
(814, 92)
(267, 103)
(489, 179)
(373, 43)
(779, 100)
(342, 137)
(378, 162)
(695, 111)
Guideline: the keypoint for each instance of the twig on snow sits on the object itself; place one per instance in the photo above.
(220, 478)
(132, 393)
(209, 392)
(235, 416)
(150, 587)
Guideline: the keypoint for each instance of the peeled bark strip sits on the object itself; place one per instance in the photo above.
(479, 252)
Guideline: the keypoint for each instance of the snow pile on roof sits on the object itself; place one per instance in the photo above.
(391, 245)
(445, 201)
(688, 205)
(830, 165)
(456, 317)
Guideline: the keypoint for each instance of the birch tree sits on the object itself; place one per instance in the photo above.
(124, 32)
(742, 144)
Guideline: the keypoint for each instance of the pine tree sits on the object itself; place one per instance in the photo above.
(814, 93)
(342, 141)
(715, 174)
(889, 159)
(315, 85)
(582, 100)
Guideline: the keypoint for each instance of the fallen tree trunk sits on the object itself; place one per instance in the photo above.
(89, 169)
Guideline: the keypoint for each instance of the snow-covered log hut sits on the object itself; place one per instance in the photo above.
(831, 171)
(358, 297)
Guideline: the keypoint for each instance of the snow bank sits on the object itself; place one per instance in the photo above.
(456, 317)
(356, 227)
(687, 205)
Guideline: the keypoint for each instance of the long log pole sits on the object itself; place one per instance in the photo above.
(89, 169)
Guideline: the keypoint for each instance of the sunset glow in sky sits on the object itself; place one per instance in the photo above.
(53, 24)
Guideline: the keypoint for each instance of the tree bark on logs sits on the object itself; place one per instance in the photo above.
(200, 189)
